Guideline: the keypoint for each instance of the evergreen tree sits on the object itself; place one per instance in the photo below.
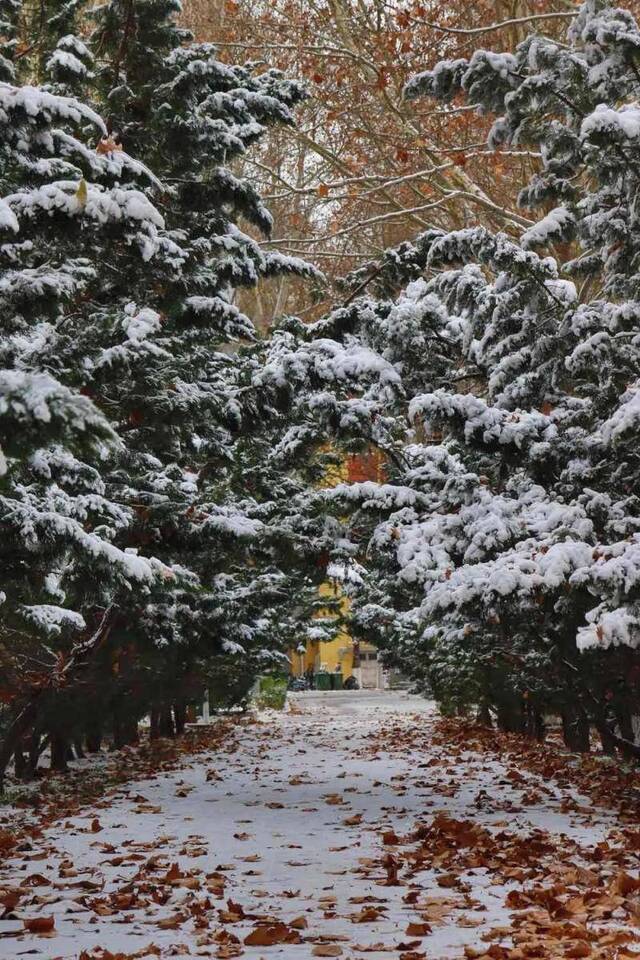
(153, 338)
(61, 565)
(191, 406)
(502, 385)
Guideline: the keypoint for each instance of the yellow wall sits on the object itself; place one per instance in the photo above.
(337, 652)
(330, 653)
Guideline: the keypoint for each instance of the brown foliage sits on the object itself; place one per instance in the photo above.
(363, 170)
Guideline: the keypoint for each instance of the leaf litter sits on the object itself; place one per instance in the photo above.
(419, 837)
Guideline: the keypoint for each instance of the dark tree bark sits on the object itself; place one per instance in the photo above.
(93, 738)
(575, 730)
(132, 733)
(154, 723)
(606, 739)
(536, 727)
(119, 738)
(510, 716)
(59, 752)
(625, 726)
(15, 732)
(484, 715)
(20, 764)
(180, 714)
(36, 746)
(75, 664)
(167, 728)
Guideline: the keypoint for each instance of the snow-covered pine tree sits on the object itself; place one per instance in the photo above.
(159, 349)
(62, 208)
(152, 339)
(505, 393)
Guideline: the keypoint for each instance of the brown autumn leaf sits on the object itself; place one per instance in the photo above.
(368, 915)
(10, 899)
(39, 924)
(418, 929)
(448, 880)
(267, 935)
(580, 948)
(327, 950)
(35, 880)
(391, 866)
(224, 936)
(171, 923)
(624, 884)
(352, 821)
(228, 950)
(299, 923)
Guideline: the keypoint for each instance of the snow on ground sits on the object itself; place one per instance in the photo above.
(294, 818)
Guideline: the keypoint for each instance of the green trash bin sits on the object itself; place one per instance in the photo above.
(322, 681)
(337, 680)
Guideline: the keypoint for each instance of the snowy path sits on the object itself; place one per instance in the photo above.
(302, 819)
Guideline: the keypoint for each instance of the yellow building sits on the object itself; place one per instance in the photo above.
(342, 654)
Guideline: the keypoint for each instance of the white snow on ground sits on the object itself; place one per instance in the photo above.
(268, 814)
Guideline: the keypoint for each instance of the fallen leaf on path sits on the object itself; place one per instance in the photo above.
(579, 949)
(368, 915)
(39, 924)
(418, 929)
(270, 934)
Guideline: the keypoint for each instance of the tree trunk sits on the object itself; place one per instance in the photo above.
(625, 726)
(510, 716)
(484, 715)
(59, 752)
(167, 728)
(35, 750)
(20, 764)
(575, 730)
(180, 713)
(154, 723)
(606, 739)
(536, 727)
(132, 732)
(14, 733)
(93, 738)
(119, 739)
